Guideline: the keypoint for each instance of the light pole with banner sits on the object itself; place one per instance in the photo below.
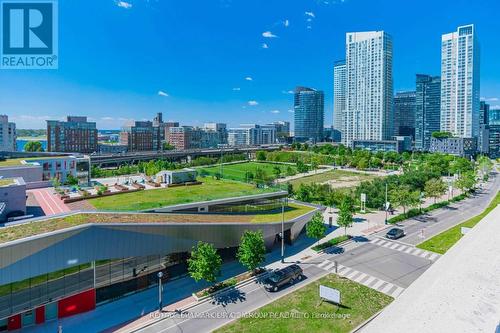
(283, 230)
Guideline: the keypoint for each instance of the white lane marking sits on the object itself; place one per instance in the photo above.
(409, 250)
(360, 277)
(323, 263)
(387, 244)
(388, 287)
(370, 280)
(424, 254)
(401, 248)
(397, 292)
(378, 284)
(417, 252)
(433, 256)
(351, 274)
(328, 267)
(394, 246)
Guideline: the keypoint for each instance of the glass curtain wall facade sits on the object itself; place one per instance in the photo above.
(404, 113)
(309, 107)
(427, 110)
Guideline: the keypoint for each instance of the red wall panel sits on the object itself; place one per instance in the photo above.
(76, 304)
(40, 315)
(14, 322)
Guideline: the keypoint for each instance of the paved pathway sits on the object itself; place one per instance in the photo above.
(50, 203)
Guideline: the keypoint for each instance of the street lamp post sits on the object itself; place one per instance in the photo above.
(386, 204)
(282, 231)
(160, 300)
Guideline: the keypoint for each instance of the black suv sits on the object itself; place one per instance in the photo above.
(283, 276)
(395, 233)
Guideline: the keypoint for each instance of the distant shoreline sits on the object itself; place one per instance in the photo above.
(32, 138)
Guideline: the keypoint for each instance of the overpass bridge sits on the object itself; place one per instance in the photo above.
(113, 160)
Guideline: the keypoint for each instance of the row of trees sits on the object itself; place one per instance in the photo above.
(205, 262)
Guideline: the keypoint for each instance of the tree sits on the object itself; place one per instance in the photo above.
(346, 212)
(403, 196)
(434, 188)
(466, 181)
(261, 177)
(167, 146)
(204, 263)
(251, 252)
(301, 167)
(261, 155)
(276, 171)
(71, 180)
(56, 182)
(290, 171)
(315, 228)
(33, 146)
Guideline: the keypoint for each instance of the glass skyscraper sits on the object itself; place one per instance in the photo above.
(460, 82)
(404, 113)
(427, 110)
(309, 114)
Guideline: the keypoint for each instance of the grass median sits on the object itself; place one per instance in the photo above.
(302, 310)
(445, 240)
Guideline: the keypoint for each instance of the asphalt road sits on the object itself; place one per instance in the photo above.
(371, 262)
(435, 222)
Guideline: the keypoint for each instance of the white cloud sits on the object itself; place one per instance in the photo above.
(287, 92)
(249, 78)
(275, 111)
(286, 23)
(124, 4)
(311, 14)
(291, 111)
(236, 89)
(265, 46)
(162, 93)
(253, 103)
(107, 118)
(492, 99)
(268, 34)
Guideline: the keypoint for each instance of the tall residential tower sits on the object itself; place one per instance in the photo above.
(369, 87)
(427, 110)
(339, 90)
(460, 82)
(309, 115)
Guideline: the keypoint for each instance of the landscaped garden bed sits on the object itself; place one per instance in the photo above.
(332, 242)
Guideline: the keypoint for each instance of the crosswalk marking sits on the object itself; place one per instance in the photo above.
(327, 267)
(378, 284)
(323, 263)
(397, 292)
(405, 248)
(362, 278)
(433, 256)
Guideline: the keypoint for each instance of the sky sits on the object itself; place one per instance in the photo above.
(232, 61)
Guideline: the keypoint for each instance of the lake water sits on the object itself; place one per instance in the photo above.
(20, 144)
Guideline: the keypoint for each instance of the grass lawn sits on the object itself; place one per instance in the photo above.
(238, 171)
(445, 240)
(336, 175)
(359, 304)
(211, 189)
(40, 227)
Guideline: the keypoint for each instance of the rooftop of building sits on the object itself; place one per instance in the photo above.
(38, 227)
(25, 161)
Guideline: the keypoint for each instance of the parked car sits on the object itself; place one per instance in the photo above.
(280, 277)
(395, 233)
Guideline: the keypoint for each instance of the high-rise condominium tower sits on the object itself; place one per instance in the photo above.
(308, 114)
(460, 82)
(427, 109)
(369, 87)
(339, 90)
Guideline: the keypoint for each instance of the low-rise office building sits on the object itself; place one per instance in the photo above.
(12, 197)
(171, 177)
(463, 147)
(399, 144)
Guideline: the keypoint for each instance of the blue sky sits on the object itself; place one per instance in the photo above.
(230, 61)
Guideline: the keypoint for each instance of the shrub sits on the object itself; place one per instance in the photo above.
(332, 242)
